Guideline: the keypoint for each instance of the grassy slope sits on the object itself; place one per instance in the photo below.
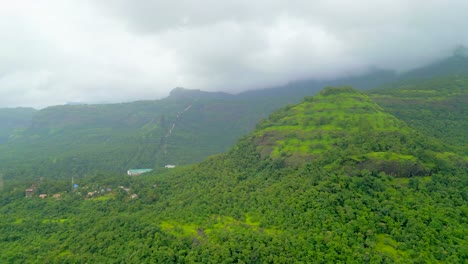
(343, 128)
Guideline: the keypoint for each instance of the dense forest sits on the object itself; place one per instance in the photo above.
(340, 177)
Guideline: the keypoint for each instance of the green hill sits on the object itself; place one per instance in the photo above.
(343, 128)
(269, 199)
(437, 107)
(344, 176)
(184, 128)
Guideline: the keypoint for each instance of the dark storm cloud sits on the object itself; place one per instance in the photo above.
(55, 51)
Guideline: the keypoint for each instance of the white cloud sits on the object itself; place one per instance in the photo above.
(54, 51)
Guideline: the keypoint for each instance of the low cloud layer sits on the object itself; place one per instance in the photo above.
(58, 51)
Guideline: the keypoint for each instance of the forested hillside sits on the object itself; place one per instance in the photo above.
(233, 132)
(408, 128)
(190, 125)
(438, 107)
(275, 197)
(184, 128)
(342, 128)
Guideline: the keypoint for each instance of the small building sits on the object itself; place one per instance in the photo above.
(43, 196)
(125, 189)
(134, 196)
(169, 166)
(135, 172)
(29, 192)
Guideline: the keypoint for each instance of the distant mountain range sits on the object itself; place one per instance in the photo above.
(190, 125)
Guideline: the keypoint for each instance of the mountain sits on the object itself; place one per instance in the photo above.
(335, 178)
(343, 128)
(293, 92)
(12, 119)
(186, 127)
(437, 106)
(378, 176)
(195, 94)
(457, 64)
(190, 125)
(182, 128)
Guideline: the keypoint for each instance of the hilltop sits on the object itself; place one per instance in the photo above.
(342, 128)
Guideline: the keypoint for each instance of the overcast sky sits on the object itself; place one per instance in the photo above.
(58, 51)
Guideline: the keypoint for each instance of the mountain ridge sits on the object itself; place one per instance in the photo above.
(133, 132)
(344, 128)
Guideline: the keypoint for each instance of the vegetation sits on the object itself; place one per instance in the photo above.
(184, 128)
(275, 197)
(343, 128)
(211, 213)
(344, 176)
(191, 125)
(13, 119)
(437, 107)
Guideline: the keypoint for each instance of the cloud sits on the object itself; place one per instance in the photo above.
(55, 51)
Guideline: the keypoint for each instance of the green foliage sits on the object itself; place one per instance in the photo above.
(184, 128)
(217, 212)
(250, 205)
(437, 107)
(77, 139)
(343, 128)
(312, 184)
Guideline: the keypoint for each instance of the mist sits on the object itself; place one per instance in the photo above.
(58, 51)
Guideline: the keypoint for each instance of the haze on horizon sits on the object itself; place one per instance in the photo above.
(57, 51)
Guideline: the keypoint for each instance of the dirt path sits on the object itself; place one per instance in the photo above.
(1, 182)
(171, 129)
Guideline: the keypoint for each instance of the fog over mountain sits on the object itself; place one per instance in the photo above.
(57, 51)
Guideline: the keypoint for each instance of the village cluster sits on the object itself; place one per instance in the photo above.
(32, 191)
